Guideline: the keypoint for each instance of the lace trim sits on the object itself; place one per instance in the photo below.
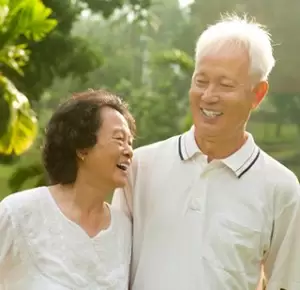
(62, 254)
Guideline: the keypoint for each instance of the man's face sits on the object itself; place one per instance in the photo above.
(223, 93)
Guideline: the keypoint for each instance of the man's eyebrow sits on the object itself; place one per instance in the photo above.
(200, 74)
(224, 76)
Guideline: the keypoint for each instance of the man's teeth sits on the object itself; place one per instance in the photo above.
(211, 114)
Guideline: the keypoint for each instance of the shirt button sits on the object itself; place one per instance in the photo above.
(196, 204)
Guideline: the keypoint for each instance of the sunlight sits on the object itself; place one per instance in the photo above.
(184, 3)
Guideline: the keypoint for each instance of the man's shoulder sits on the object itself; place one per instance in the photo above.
(167, 144)
(285, 179)
(274, 166)
(120, 218)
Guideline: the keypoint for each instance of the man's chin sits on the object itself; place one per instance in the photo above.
(208, 131)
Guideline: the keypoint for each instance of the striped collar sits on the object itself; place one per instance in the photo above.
(239, 162)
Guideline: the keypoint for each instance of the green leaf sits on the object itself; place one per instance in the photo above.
(4, 10)
(22, 124)
(26, 17)
(15, 57)
(38, 24)
(4, 116)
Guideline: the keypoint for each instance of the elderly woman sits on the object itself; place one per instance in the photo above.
(66, 236)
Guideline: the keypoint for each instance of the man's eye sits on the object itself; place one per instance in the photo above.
(201, 82)
(225, 85)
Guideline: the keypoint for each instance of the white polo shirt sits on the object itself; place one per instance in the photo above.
(209, 226)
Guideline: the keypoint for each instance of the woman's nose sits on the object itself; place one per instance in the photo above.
(128, 151)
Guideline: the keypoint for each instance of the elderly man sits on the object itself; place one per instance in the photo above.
(209, 207)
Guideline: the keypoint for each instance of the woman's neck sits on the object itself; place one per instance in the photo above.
(83, 204)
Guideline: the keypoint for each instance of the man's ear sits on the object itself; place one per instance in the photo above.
(260, 91)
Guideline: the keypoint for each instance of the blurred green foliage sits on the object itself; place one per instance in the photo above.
(20, 22)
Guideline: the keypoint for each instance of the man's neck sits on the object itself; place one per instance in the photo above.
(220, 148)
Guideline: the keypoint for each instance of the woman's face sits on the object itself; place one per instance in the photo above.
(107, 162)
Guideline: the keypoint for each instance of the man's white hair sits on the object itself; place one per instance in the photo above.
(238, 31)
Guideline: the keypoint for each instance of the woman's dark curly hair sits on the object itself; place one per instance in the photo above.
(74, 126)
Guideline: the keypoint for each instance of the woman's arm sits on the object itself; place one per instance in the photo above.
(6, 232)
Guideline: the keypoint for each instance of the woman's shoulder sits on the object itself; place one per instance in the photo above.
(24, 199)
(20, 217)
(24, 205)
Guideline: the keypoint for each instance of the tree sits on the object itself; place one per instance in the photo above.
(146, 69)
(62, 56)
(19, 20)
(61, 53)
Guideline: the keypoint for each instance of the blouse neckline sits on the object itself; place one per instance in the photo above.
(74, 224)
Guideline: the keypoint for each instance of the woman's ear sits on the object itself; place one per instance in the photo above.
(81, 154)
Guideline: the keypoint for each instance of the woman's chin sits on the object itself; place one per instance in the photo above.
(120, 182)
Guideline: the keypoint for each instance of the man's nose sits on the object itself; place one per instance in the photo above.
(210, 94)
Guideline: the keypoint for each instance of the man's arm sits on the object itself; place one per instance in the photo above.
(282, 263)
(122, 199)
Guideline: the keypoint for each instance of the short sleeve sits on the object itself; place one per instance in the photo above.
(282, 265)
(122, 201)
(6, 232)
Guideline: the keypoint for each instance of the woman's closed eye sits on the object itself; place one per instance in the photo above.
(120, 139)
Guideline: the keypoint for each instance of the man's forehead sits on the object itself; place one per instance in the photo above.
(224, 50)
(224, 62)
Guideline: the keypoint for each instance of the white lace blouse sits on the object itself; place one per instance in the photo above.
(41, 249)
